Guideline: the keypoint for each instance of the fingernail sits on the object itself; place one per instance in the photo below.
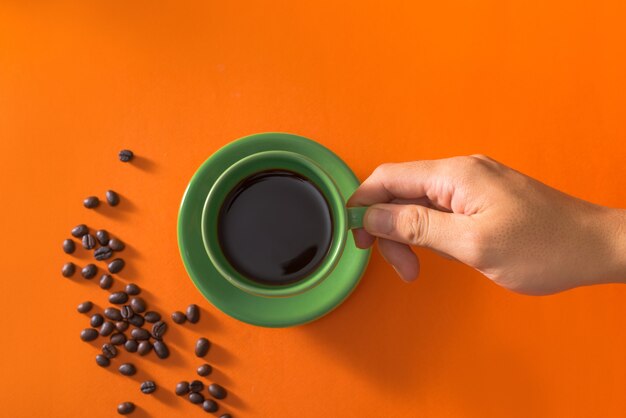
(378, 221)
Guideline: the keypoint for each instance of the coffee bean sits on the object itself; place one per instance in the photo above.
(118, 338)
(179, 317)
(182, 388)
(118, 298)
(204, 370)
(116, 244)
(144, 347)
(159, 329)
(202, 347)
(152, 316)
(140, 334)
(89, 271)
(131, 346)
(226, 416)
(79, 230)
(125, 408)
(106, 281)
(107, 329)
(121, 326)
(91, 202)
(193, 313)
(113, 314)
(103, 253)
(102, 236)
(209, 405)
(161, 350)
(127, 312)
(125, 155)
(195, 397)
(68, 246)
(132, 289)
(196, 386)
(116, 265)
(68, 269)
(84, 307)
(89, 242)
(96, 320)
(148, 386)
(138, 304)
(137, 320)
(127, 369)
(102, 361)
(109, 350)
(113, 199)
(88, 334)
(217, 391)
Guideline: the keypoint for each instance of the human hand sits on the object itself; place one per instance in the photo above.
(520, 233)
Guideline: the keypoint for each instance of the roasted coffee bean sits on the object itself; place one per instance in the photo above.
(204, 370)
(132, 289)
(109, 350)
(196, 386)
(182, 388)
(144, 347)
(79, 230)
(125, 408)
(89, 242)
(179, 317)
(131, 346)
(113, 199)
(127, 369)
(137, 320)
(103, 253)
(102, 236)
(116, 265)
(88, 334)
(121, 326)
(226, 416)
(125, 155)
(97, 320)
(195, 397)
(106, 281)
(118, 338)
(84, 307)
(202, 347)
(118, 298)
(68, 269)
(127, 312)
(152, 317)
(193, 313)
(159, 329)
(91, 202)
(68, 246)
(138, 304)
(107, 329)
(116, 244)
(161, 350)
(102, 361)
(148, 387)
(89, 271)
(217, 391)
(140, 334)
(113, 314)
(209, 405)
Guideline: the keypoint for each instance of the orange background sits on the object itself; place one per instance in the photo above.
(539, 85)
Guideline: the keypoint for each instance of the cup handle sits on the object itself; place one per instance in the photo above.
(355, 217)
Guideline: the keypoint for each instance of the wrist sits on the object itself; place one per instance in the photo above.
(613, 233)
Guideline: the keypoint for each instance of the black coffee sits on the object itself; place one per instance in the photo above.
(275, 227)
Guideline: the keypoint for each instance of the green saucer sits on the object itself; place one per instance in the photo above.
(246, 307)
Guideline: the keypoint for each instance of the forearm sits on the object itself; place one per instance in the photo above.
(612, 269)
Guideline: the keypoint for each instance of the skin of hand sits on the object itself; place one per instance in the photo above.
(520, 233)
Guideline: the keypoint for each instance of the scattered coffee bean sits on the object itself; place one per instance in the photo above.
(226, 416)
(127, 312)
(182, 388)
(89, 271)
(97, 320)
(137, 320)
(152, 317)
(132, 289)
(116, 265)
(196, 386)
(125, 155)
(159, 329)
(91, 202)
(202, 347)
(209, 405)
(161, 350)
(118, 298)
(88, 334)
(140, 334)
(102, 361)
(204, 370)
(113, 314)
(103, 253)
(116, 244)
(106, 281)
(127, 369)
(121, 326)
(113, 199)
(107, 329)
(89, 242)
(217, 391)
(68, 269)
(125, 408)
(138, 305)
(84, 307)
(68, 246)
(195, 397)
(118, 338)
(102, 236)
(79, 230)
(144, 347)
(131, 346)
(148, 387)
(109, 350)
(179, 317)
(193, 313)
